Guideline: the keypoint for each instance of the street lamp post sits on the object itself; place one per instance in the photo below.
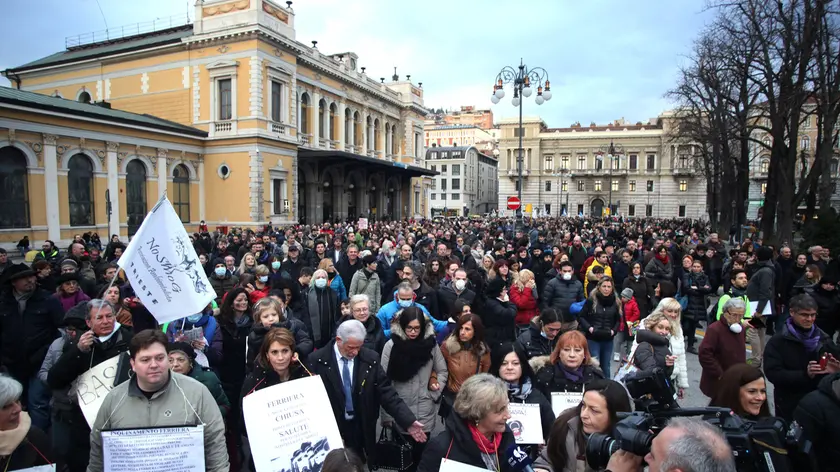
(521, 78)
(613, 152)
(560, 174)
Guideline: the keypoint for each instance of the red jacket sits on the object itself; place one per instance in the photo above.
(720, 350)
(526, 304)
(631, 313)
(585, 267)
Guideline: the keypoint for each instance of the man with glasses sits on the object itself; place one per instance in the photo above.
(403, 298)
(792, 356)
(562, 291)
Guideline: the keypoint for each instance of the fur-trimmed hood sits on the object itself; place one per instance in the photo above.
(397, 330)
(541, 362)
(453, 345)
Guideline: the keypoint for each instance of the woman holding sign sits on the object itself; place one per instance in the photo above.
(510, 363)
(476, 431)
(415, 356)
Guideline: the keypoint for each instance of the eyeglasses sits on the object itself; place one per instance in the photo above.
(412, 329)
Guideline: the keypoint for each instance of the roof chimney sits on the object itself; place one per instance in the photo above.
(395, 77)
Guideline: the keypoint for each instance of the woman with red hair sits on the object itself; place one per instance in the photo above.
(569, 366)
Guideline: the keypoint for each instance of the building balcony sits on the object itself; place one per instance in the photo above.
(682, 171)
(223, 128)
(278, 128)
(332, 144)
(305, 139)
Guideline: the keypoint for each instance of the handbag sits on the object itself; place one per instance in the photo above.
(393, 451)
(628, 369)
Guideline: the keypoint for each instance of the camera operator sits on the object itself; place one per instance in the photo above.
(686, 444)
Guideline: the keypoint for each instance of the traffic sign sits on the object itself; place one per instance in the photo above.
(513, 203)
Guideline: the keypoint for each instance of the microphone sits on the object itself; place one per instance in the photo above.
(518, 459)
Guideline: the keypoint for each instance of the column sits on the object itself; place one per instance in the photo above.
(327, 124)
(201, 185)
(113, 187)
(51, 186)
(342, 130)
(364, 147)
(353, 130)
(314, 204)
(162, 171)
(316, 124)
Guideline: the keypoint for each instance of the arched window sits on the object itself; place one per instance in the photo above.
(334, 124)
(135, 194)
(14, 194)
(304, 113)
(322, 131)
(765, 166)
(80, 188)
(181, 188)
(84, 97)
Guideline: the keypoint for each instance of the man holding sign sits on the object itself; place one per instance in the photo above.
(152, 400)
(71, 356)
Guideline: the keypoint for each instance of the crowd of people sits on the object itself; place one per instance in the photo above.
(412, 323)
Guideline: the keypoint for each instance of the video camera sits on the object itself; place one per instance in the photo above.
(768, 444)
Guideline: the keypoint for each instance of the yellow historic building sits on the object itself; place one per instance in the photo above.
(235, 119)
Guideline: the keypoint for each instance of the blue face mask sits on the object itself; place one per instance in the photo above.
(275, 265)
(404, 303)
(194, 318)
(220, 271)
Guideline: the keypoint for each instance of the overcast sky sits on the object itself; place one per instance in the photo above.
(606, 59)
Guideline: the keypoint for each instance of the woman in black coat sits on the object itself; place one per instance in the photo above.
(498, 314)
(23, 445)
(600, 320)
(476, 433)
(320, 309)
(817, 413)
(568, 368)
(695, 285)
(642, 289)
(828, 304)
(510, 363)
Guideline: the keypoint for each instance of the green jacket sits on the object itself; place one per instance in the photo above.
(725, 298)
(211, 381)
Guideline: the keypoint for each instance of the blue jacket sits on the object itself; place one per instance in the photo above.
(338, 287)
(389, 311)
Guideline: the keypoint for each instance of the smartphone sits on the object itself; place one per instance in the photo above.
(823, 361)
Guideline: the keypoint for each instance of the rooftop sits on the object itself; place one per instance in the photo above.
(17, 97)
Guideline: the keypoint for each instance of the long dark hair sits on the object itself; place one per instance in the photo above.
(410, 314)
(497, 357)
(728, 394)
(226, 314)
(617, 401)
(478, 330)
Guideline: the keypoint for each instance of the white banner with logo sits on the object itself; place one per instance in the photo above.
(448, 465)
(291, 425)
(164, 449)
(525, 423)
(92, 387)
(562, 401)
(163, 268)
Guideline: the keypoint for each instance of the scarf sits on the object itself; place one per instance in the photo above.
(811, 338)
(737, 292)
(22, 298)
(242, 320)
(519, 392)
(319, 314)
(572, 375)
(661, 259)
(11, 439)
(485, 446)
(413, 354)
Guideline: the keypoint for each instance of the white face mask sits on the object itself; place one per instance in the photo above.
(567, 276)
(263, 278)
(321, 283)
(736, 328)
(460, 284)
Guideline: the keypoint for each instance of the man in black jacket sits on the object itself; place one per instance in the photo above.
(357, 387)
(762, 291)
(562, 291)
(290, 268)
(453, 290)
(29, 321)
(349, 264)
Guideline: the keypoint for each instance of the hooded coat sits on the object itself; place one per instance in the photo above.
(817, 413)
(534, 343)
(651, 353)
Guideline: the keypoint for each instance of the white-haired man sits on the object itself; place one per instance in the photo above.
(357, 387)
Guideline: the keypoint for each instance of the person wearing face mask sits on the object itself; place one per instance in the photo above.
(404, 297)
(366, 281)
(260, 288)
(499, 314)
(275, 274)
(321, 309)
(333, 278)
(222, 280)
(206, 350)
(454, 289)
(562, 291)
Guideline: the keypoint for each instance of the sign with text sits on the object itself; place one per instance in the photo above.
(525, 423)
(291, 425)
(562, 401)
(178, 448)
(92, 387)
(448, 465)
(363, 223)
(38, 468)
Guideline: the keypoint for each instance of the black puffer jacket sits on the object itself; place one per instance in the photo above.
(603, 316)
(534, 343)
(817, 413)
(642, 292)
(498, 318)
(550, 378)
(559, 295)
(447, 296)
(456, 443)
(651, 352)
(696, 309)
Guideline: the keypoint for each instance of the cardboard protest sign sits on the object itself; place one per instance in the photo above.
(448, 465)
(291, 426)
(92, 386)
(164, 449)
(525, 423)
(562, 401)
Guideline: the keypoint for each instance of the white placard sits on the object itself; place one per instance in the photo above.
(562, 401)
(163, 268)
(178, 448)
(448, 465)
(195, 334)
(526, 423)
(291, 425)
(363, 223)
(768, 308)
(38, 468)
(93, 386)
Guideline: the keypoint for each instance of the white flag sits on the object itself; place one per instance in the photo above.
(163, 268)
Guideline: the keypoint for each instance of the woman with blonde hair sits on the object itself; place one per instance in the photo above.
(600, 320)
(523, 294)
(335, 281)
(670, 307)
(487, 263)
(654, 348)
(248, 264)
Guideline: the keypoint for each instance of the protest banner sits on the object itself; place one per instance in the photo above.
(162, 449)
(363, 223)
(291, 425)
(562, 401)
(38, 468)
(448, 465)
(525, 423)
(92, 387)
(163, 268)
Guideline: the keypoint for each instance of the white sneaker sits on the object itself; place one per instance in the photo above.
(616, 357)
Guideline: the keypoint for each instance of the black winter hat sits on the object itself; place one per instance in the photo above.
(494, 287)
(76, 316)
(67, 278)
(17, 271)
(183, 347)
